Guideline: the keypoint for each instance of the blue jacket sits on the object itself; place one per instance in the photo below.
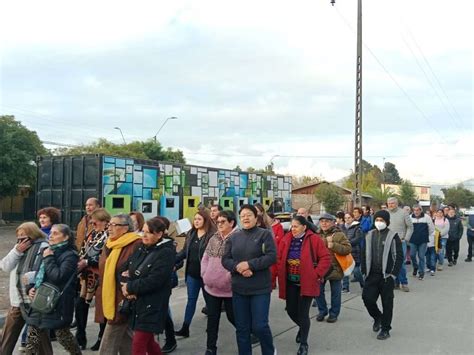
(422, 228)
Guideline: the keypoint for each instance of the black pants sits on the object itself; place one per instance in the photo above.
(214, 307)
(82, 311)
(452, 250)
(469, 248)
(375, 286)
(297, 307)
(169, 329)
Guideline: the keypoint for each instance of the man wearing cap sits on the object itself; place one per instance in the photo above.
(381, 261)
(337, 243)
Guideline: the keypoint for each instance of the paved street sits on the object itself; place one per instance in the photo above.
(436, 317)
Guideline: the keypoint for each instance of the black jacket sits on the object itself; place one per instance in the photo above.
(456, 228)
(355, 235)
(184, 253)
(58, 269)
(257, 247)
(151, 283)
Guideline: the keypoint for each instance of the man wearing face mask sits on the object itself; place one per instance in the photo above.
(382, 259)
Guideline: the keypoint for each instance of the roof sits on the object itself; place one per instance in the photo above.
(314, 184)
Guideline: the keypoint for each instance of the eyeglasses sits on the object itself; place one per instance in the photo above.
(221, 221)
(117, 225)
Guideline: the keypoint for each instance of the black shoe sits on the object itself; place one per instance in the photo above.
(377, 325)
(331, 319)
(169, 347)
(253, 339)
(96, 346)
(450, 263)
(320, 317)
(303, 349)
(468, 260)
(211, 352)
(415, 271)
(384, 334)
(298, 337)
(314, 304)
(82, 341)
(204, 310)
(455, 261)
(183, 332)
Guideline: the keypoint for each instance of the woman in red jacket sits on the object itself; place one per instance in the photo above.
(303, 260)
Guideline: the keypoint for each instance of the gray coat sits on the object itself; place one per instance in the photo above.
(400, 223)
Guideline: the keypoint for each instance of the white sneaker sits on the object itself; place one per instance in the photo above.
(432, 273)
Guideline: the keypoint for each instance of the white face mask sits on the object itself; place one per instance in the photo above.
(380, 225)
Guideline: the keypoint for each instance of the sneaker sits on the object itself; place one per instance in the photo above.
(384, 334)
(432, 273)
(415, 271)
(320, 317)
(421, 277)
(331, 319)
(345, 290)
(303, 349)
(440, 268)
(405, 288)
(468, 260)
(169, 347)
(377, 325)
(450, 263)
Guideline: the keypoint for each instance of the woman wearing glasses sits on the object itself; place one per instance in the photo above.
(217, 280)
(88, 267)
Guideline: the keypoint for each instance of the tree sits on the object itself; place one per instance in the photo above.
(330, 196)
(136, 149)
(18, 150)
(436, 200)
(298, 181)
(459, 196)
(407, 193)
(379, 196)
(372, 177)
(390, 174)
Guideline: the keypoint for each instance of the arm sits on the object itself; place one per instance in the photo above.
(158, 276)
(431, 227)
(445, 229)
(460, 230)
(228, 261)
(341, 244)
(366, 224)
(10, 261)
(58, 274)
(323, 256)
(397, 265)
(181, 255)
(409, 226)
(268, 258)
(355, 241)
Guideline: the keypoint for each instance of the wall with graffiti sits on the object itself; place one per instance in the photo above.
(177, 191)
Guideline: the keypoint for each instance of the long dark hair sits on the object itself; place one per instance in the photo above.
(208, 225)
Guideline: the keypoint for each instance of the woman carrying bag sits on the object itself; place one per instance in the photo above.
(146, 284)
(57, 271)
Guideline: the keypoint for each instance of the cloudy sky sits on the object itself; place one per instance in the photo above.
(250, 81)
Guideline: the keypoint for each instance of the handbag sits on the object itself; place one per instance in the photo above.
(315, 263)
(47, 296)
(346, 262)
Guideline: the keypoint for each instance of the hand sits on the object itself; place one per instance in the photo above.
(48, 252)
(242, 266)
(330, 245)
(124, 289)
(329, 239)
(125, 273)
(81, 265)
(31, 293)
(23, 245)
(247, 273)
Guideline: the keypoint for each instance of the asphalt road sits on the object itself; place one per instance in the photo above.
(435, 317)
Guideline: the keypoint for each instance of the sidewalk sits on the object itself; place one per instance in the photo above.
(435, 317)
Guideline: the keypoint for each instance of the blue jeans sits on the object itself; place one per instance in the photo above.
(193, 286)
(431, 258)
(441, 253)
(402, 276)
(251, 316)
(420, 251)
(336, 286)
(357, 275)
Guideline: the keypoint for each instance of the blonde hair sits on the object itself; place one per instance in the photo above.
(31, 230)
(101, 215)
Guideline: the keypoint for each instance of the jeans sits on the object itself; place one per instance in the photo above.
(431, 258)
(335, 299)
(297, 307)
(193, 286)
(440, 255)
(375, 286)
(420, 251)
(402, 276)
(251, 316)
(214, 307)
(357, 275)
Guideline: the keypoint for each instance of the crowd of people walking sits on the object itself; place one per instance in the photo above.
(128, 267)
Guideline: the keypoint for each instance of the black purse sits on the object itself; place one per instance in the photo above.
(47, 296)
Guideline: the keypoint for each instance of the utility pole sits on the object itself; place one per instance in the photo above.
(358, 110)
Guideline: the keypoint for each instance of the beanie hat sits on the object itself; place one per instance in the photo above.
(383, 214)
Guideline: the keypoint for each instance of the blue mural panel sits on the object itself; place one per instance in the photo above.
(137, 190)
(120, 163)
(150, 178)
(109, 160)
(124, 188)
(147, 194)
(129, 178)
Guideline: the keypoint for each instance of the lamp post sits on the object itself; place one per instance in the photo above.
(121, 134)
(358, 109)
(270, 162)
(169, 118)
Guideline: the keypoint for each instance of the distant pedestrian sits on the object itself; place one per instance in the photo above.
(441, 224)
(355, 235)
(423, 228)
(382, 259)
(455, 233)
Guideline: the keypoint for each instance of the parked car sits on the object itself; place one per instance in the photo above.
(285, 220)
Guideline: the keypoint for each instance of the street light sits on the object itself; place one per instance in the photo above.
(121, 134)
(169, 118)
(270, 162)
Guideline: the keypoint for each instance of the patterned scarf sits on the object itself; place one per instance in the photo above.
(40, 276)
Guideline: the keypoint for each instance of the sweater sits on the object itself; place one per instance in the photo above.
(9, 264)
(400, 223)
(257, 247)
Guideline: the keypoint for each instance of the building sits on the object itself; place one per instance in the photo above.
(304, 197)
(422, 192)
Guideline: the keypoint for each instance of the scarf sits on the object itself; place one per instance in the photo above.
(109, 282)
(40, 277)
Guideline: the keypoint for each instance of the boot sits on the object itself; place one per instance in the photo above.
(96, 346)
(82, 310)
(183, 332)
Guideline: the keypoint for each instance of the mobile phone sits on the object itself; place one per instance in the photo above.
(21, 240)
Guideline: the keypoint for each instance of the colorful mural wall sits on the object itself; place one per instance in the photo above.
(179, 190)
